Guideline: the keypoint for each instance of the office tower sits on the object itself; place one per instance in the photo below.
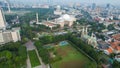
(93, 6)
(108, 6)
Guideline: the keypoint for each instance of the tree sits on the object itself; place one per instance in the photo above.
(116, 64)
(8, 54)
(111, 27)
(13, 55)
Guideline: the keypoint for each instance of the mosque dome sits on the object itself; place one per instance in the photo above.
(66, 17)
(58, 7)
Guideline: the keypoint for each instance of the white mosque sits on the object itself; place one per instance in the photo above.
(63, 20)
(89, 39)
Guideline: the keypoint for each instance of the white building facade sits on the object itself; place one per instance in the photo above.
(2, 20)
(10, 36)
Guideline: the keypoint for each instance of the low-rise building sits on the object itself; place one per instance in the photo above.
(102, 45)
(117, 58)
(114, 48)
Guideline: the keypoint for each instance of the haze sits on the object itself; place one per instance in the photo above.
(114, 2)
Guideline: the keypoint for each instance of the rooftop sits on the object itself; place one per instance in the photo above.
(103, 44)
(116, 37)
(49, 24)
(110, 50)
(115, 45)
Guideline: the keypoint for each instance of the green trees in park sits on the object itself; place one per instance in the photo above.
(13, 55)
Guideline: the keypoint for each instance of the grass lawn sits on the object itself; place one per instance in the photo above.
(71, 58)
(33, 58)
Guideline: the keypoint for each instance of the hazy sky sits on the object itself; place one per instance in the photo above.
(65, 1)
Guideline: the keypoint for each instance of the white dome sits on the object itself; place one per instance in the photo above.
(58, 7)
(66, 17)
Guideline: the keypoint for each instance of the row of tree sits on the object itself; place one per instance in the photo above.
(43, 53)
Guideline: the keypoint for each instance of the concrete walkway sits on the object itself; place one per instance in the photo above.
(30, 45)
(28, 62)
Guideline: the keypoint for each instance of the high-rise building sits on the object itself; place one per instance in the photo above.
(108, 6)
(6, 36)
(2, 20)
(8, 5)
(93, 6)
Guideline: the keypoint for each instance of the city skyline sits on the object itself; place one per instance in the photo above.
(114, 2)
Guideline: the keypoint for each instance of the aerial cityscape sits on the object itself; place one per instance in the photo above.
(59, 34)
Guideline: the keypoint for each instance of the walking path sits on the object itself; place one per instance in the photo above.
(42, 64)
(28, 62)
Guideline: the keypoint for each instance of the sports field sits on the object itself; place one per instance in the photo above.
(69, 57)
